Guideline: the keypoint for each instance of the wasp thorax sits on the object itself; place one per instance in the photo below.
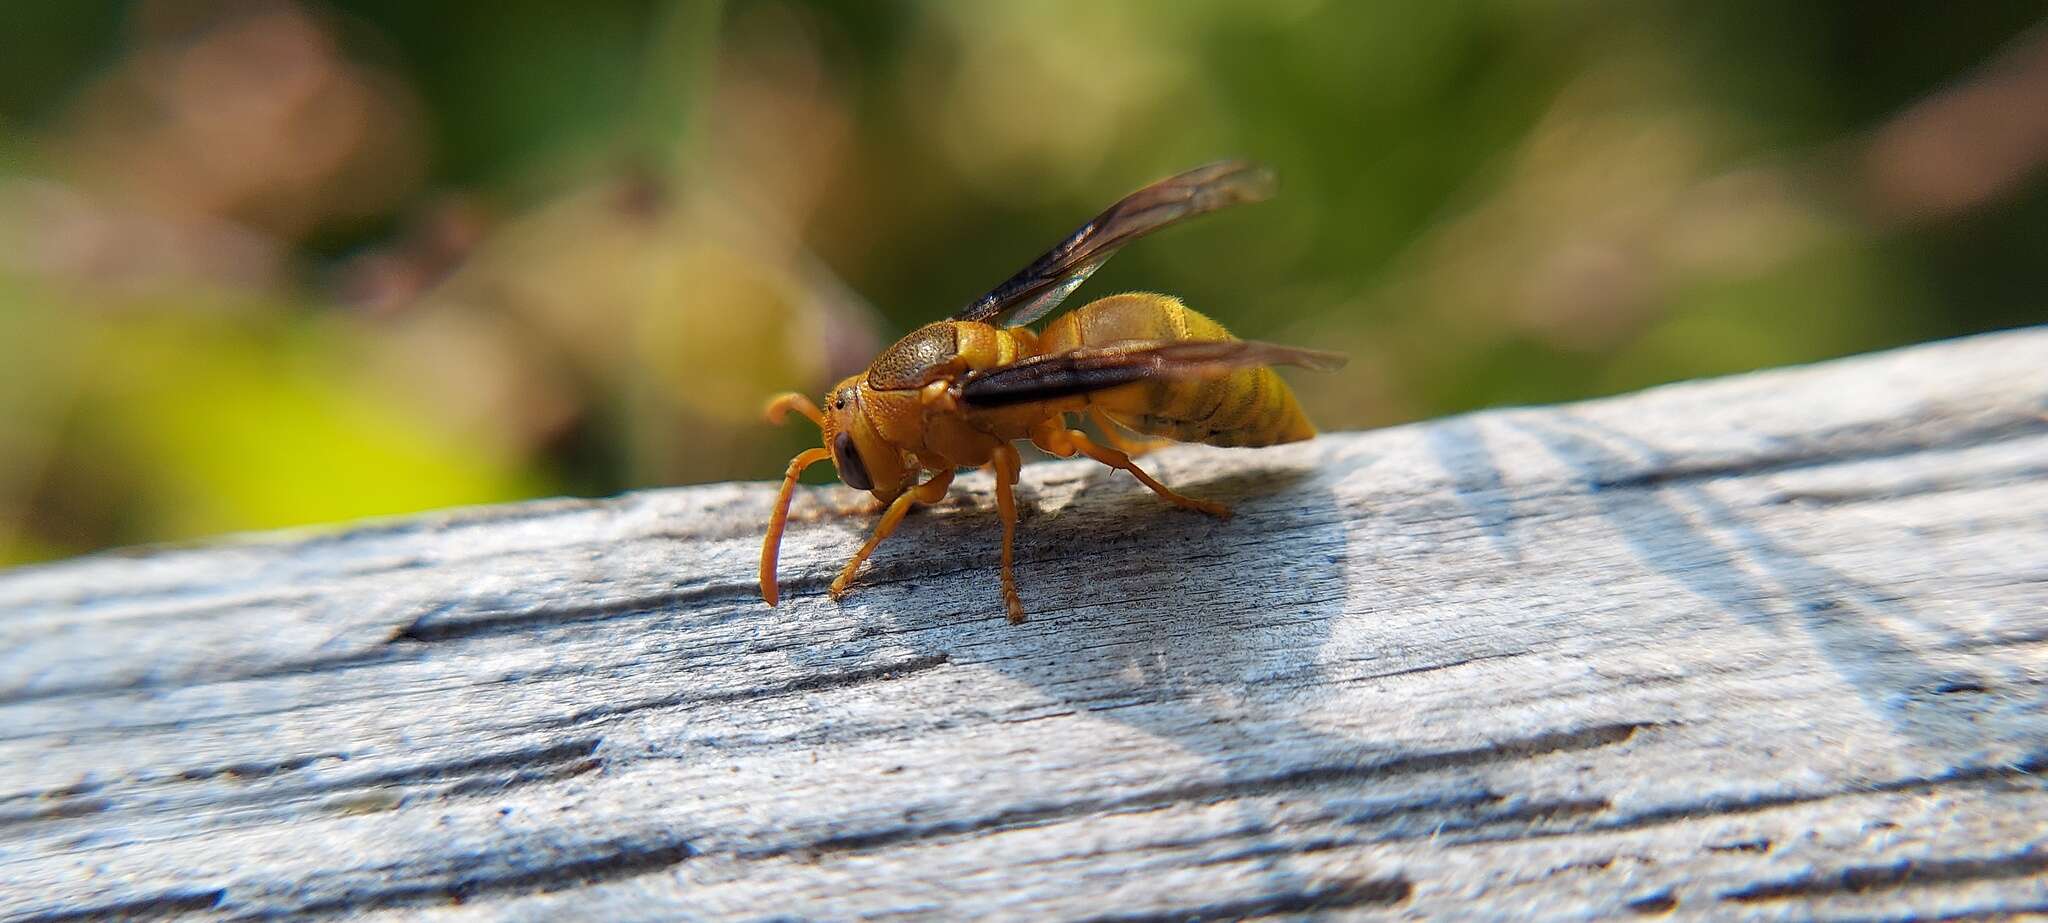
(913, 360)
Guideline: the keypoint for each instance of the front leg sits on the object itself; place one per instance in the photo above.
(931, 491)
(771, 547)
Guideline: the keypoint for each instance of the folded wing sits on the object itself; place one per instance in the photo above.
(1090, 369)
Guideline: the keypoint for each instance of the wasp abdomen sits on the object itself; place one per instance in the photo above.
(1248, 407)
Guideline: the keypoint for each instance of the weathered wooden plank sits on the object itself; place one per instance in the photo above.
(1774, 646)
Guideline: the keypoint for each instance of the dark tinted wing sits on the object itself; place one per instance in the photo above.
(1040, 287)
(1081, 371)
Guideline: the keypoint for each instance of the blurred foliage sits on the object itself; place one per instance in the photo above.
(266, 262)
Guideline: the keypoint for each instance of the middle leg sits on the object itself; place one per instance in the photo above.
(1006, 464)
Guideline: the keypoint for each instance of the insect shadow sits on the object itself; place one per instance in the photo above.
(1203, 634)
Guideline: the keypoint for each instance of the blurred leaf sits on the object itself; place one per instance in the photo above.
(236, 429)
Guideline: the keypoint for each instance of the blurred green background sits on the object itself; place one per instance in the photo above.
(269, 263)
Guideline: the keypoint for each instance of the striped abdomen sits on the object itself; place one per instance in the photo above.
(1249, 407)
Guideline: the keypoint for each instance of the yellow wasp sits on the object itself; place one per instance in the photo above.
(956, 393)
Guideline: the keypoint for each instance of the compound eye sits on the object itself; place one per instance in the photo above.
(847, 459)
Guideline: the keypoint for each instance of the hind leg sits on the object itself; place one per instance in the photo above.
(1117, 436)
(1066, 442)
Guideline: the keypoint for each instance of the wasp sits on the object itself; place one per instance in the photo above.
(958, 393)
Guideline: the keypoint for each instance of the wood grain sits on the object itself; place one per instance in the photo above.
(1772, 646)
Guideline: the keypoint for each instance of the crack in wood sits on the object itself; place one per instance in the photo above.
(1432, 667)
(547, 757)
(1398, 823)
(484, 775)
(461, 883)
(2026, 769)
(1930, 872)
(1603, 735)
(161, 906)
(1654, 903)
(1341, 895)
(815, 682)
(257, 769)
(1846, 495)
(61, 810)
(1820, 452)
(204, 677)
(437, 626)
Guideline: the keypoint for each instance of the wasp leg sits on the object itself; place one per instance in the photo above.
(1115, 434)
(771, 547)
(931, 491)
(1006, 465)
(1064, 443)
(782, 404)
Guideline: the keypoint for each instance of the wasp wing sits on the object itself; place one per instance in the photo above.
(1090, 369)
(1040, 287)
